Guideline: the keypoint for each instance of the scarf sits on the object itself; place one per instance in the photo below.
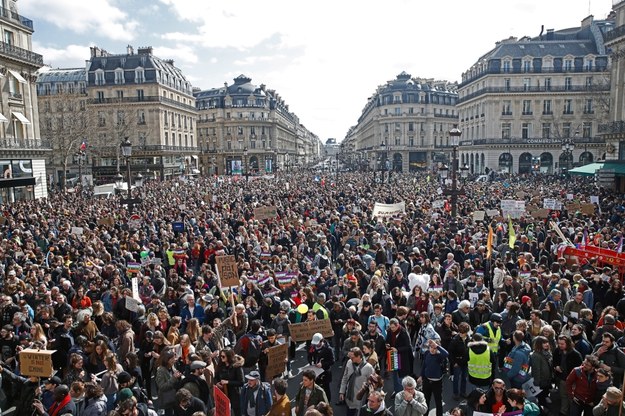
(352, 379)
(57, 406)
(251, 401)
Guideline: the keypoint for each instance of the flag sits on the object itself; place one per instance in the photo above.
(83, 146)
(511, 233)
(489, 242)
(619, 248)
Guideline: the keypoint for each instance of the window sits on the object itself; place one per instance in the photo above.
(568, 64)
(8, 37)
(589, 64)
(140, 95)
(506, 83)
(140, 116)
(411, 110)
(588, 109)
(507, 66)
(547, 84)
(568, 83)
(588, 82)
(411, 141)
(527, 107)
(139, 76)
(410, 126)
(121, 118)
(527, 83)
(566, 129)
(83, 105)
(568, 106)
(120, 94)
(386, 129)
(166, 118)
(166, 139)
(100, 96)
(70, 88)
(547, 107)
(506, 130)
(240, 131)
(101, 119)
(587, 129)
(526, 130)
(397, 111)
(506, 108)
(99, 77)
(546, 130)
(119, 76)
(397, 126)
(527, 66)
(82, 86)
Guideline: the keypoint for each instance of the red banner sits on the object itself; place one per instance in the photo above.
(604, 256)
(222, 402)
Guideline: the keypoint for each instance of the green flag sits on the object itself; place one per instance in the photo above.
(511, 233)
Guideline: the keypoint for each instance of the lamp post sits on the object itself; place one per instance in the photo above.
(568, 145)
(126, 148)
(382, 160)
(455, 134)
(247, 167)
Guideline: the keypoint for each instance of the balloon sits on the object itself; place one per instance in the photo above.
(302, 308)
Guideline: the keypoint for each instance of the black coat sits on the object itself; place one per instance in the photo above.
(459, 351)
(402, 343)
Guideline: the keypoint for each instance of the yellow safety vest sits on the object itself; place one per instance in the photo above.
(317, 307)
(479, 364)
(495, 337)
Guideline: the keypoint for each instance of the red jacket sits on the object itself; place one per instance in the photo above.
(581, 385)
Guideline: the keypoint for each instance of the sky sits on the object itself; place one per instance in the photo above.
(325, 58)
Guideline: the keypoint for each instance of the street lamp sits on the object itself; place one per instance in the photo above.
(382, 160)
(126, 148)
(247, 167)
(568, 145)
(454, 134)
(464, 172)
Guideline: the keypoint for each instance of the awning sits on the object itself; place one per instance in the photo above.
(586, 170)
(21, 117)
(617, 167)
(18, 77)
(3, 119)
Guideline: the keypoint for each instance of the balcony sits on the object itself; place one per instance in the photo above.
(615, 127)
(614, 34)
(14, 17)
(144, 99)
(11, 143)
(542, 88)
(536, 71)
(21, 55)
(446, 115)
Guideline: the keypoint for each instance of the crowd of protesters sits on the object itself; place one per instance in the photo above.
(412, 299)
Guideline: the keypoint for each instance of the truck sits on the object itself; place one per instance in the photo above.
(104, 191)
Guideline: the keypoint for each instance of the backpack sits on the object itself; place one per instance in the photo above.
(254, 347)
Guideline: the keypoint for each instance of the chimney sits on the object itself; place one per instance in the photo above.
(130, 50)
(550, 34)
(146, 50)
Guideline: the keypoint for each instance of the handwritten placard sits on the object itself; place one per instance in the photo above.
(265, 213)
(222, 402)
(227, 271)
(304, 331)
(36, 363)
(276, 357)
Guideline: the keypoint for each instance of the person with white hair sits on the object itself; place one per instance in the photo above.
(462, 313)
(410, 401)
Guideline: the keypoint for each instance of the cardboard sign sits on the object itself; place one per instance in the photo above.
(227, 271)
(304, 331)
(3, 220)
(572, 207)
(540, 213)
(110, 221)
(492, 212)
(36, 363)
(265, 213)
(277, 360)
(77, 230)
(222, 402)
(588, 209)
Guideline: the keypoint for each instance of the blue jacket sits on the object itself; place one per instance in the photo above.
(433, 364)
(516, 364)
(185, 314)
(263, 399)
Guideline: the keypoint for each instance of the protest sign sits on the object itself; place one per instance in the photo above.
(478, 215)
(77, 230)
(132, 304)
(388, 210)
(492, 212)
(304, 331)
(276, 357)
(222, 402)
(36, 363)
(110, 221)
(588, 209)
(551, 203)
(265, 213)
(227, 271)
(513, 209)
(540, 213)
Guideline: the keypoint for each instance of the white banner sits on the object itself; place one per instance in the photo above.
(551, 203)
(388, 210)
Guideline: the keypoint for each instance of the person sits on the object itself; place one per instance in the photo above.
(516, 400)
(229, 377)
(541, 364)
(398, 341)
(130, 407)
(309, 393)
(611, 357)
(491, 331)
(63, 403)
(167, 380)
(581, 384)
(195, 382)
(459, 360)
(496, 396)
(432, 375)
(356, 373)
(516, 363)
(476, 402)
(95, 400)
(187, 404)
(320, 354)
(26, 388)
(565, 358)
(256, 397)
(281, 405)
(375, 406)
(481, 362)
(611, 403)
(410, 401)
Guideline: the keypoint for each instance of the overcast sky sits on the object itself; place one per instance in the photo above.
(325, 58)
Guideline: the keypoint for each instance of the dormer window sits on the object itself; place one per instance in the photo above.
(119, 76)
(139, 76)
(99, 77)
